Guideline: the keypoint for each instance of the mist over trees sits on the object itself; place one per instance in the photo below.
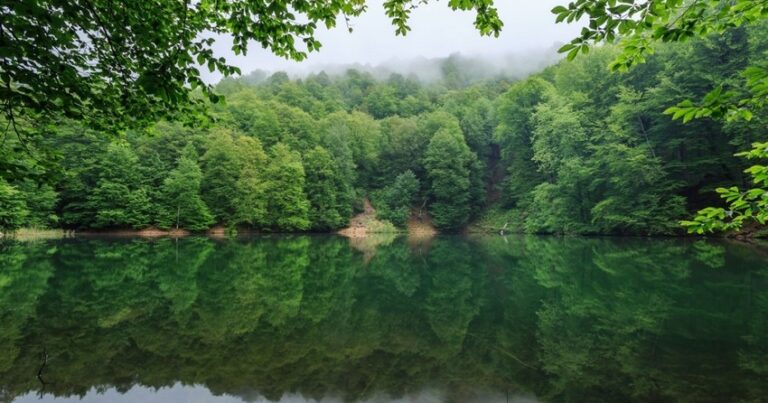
(457, 68)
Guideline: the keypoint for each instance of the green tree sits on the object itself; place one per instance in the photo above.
(251, 197)
(221, 168)
(402, 148)
(743, 206)
(381, 102)
(325, 211)
(361, 135)
(247, 111)
(447, 161)
(120, 198)
(13, 208)
(287, 202)
(41, 200)
(640, 25)
(398, 199)
(514, 135)
(181, 205)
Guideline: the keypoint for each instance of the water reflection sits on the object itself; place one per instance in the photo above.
(297, 318)
(181, 393)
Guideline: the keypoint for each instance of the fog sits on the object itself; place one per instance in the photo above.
(527, 42)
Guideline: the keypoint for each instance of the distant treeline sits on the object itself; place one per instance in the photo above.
(572, 149)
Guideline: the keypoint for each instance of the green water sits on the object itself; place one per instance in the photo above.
(453, 319)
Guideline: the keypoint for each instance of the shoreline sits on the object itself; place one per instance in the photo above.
(219, 232)
(364, 225)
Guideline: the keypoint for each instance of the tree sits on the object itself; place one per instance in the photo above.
(381, 102)
(638, 24)
(402, 148)
(287, 203)
(558, 135)
(398, 199)
(447, 161)
(250, 115)
(120, 198)
(41, 200)
(13, 209)
(181, 205)
(514, 134)
(336, 141)
(325, 211)
(251, 197)
(356, 133)
(130, 65)
(743, 205)
(221, 168)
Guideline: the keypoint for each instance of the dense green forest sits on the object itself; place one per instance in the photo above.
(572, 149)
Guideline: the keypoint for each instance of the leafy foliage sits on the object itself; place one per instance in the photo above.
(573, 149)
(181, 205)
(119, 197)
(251, 198)
(287, 204)
(13, 209)
(325, 212)
(447, 162)
(743, 206)
(398, 199)
(127, 65)
(638, 24)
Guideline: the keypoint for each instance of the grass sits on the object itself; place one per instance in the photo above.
(376, 226)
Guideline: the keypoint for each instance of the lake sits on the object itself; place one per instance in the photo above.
(449, 319)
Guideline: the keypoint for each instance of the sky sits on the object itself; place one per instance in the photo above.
(436, 31)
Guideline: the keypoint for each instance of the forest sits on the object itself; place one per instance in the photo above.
(572, 149)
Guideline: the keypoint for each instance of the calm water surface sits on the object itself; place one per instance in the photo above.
(453, 319)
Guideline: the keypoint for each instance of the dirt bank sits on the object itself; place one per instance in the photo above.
(365, 224)
(420, 226)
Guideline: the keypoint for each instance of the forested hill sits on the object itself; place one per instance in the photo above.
(572, 149)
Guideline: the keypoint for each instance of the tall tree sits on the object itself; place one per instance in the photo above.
(447, 161)
(120, 198)
(514, 134)
(398, 199)
(325, 210)
(41, 200)
(251, 197)
(287, 203)
(13, 209)
(181, 205)
(221, 168)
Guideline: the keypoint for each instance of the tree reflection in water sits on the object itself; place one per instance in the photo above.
(309, 317)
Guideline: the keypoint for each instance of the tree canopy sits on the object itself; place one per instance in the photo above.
(636, 25)
(129, 63)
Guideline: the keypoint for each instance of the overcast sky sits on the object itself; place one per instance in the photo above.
(436, 31)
